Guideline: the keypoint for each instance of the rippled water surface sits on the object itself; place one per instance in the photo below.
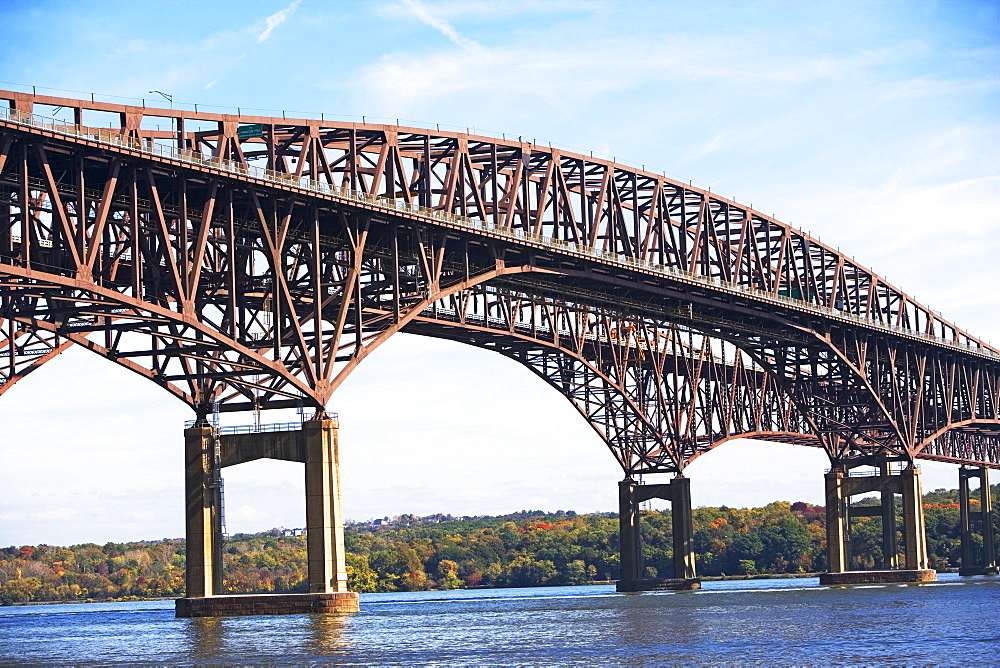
(794, 621)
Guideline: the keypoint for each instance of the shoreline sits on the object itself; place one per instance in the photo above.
(705, 578)
(74, 601)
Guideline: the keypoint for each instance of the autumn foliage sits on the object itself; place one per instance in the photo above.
(525, 549)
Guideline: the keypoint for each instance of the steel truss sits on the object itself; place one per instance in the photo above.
(672, 319)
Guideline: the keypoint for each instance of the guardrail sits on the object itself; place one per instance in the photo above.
(150, 147)
(258, 428)
(261, 428)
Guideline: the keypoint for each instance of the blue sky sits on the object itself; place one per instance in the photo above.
(874, 125)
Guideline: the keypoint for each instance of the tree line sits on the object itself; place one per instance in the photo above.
(524, 549)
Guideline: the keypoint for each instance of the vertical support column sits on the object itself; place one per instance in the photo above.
(201, 513)
(628, 533)
(965, 520)
(913, 520)
(989, 544)
(836, 516)
(984, 563)
(890, 558)
(324, 511)
(683, 527)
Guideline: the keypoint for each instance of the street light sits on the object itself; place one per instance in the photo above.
(169, 98)
(166, 96)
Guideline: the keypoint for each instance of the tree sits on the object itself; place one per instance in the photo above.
(360, 576)
(448, 574)
(526, 572)
(575, 573)
(784, 541)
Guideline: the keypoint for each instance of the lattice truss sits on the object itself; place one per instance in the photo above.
(247, 294)
(658, 393)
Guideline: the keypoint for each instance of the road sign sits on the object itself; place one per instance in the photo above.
(245, 132)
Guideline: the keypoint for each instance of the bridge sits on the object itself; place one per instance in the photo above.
(249, 263)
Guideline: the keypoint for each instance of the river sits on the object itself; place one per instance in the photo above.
(954, 621)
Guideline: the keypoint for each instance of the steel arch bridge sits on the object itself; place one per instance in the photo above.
(249, 263)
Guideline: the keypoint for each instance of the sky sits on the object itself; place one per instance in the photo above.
(873, 125)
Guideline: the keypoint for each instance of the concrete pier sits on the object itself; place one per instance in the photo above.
(324, 513)
(985, 562)
(890, 550)
(840, 487)
(203, 530)
(836, 522)
(316, 446)
(914, 530)
(630, 495)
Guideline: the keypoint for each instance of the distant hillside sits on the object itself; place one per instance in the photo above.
(529, 548)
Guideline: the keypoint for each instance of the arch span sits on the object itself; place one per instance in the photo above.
(304, 244)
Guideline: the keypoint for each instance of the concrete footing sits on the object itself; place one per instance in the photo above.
(659, 584)
(243, 605)
(873, 577)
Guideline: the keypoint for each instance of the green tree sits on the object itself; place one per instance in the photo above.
(448, 574)
(524, 571)
(360, 576)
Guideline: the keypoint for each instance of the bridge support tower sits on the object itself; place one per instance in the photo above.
(203, 511)
(985, 562)
(207, 452)
(630, 495)
(840, 487)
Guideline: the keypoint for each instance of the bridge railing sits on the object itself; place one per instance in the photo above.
(150, 147)
(258, 428)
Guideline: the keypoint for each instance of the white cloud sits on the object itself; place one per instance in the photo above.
(59, 514)
(571, 73)
(926, 87)
(275, 20)
(425, 16)
(491, 10)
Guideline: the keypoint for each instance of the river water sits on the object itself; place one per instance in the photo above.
(954, 621)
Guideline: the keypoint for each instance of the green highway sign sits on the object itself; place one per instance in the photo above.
(245, 132)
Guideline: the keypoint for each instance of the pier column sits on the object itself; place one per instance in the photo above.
(915, 551)
(840, 487)
(202, 533)
(630, 495)
(836, 520)
(628, 532)
(989, 540)
(965, 520)
(890, 557)
(683, 527)
(324, 510)
(986, 563)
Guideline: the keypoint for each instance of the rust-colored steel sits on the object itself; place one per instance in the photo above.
(257, 269)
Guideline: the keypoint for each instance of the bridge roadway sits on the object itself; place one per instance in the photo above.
(248, 263)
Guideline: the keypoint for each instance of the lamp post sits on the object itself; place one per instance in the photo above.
(166, 96)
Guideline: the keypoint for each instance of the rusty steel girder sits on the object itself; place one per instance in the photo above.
(256, 270)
